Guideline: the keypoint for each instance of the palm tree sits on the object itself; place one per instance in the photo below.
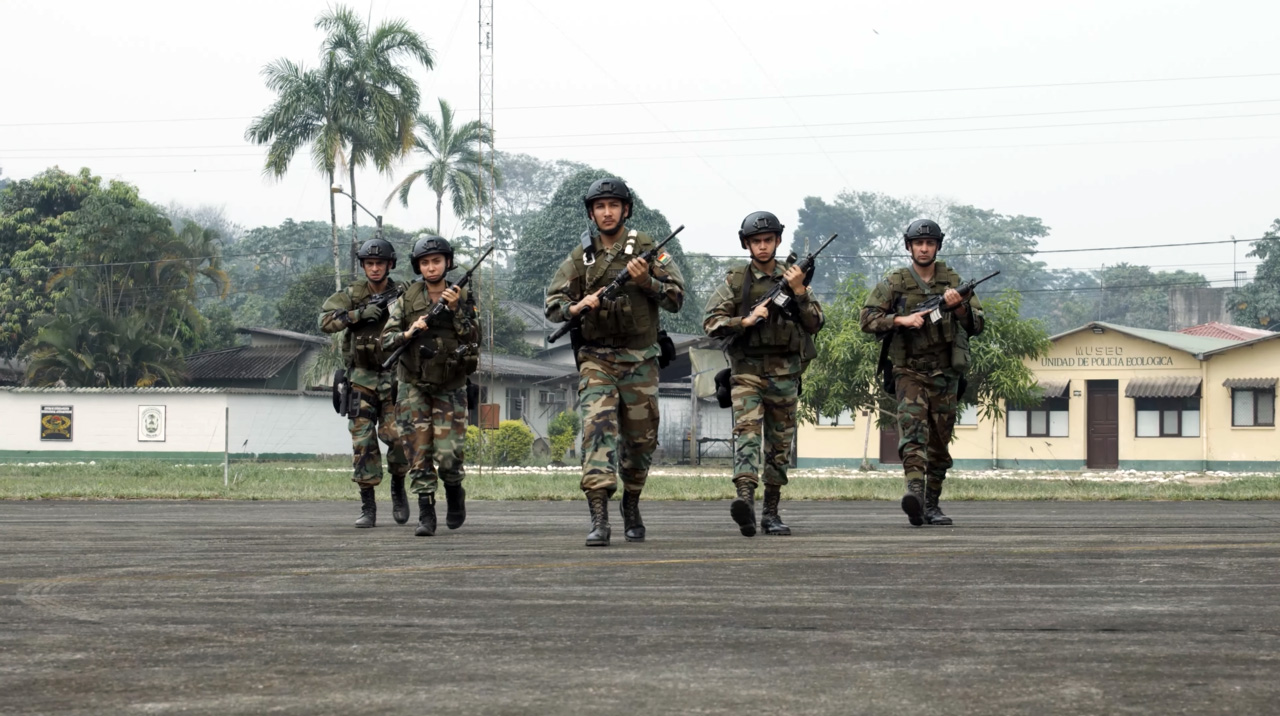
(309, 109)
(454, 163)
(377, 89)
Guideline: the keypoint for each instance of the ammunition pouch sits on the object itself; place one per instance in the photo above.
(667, 348)
(724, 391)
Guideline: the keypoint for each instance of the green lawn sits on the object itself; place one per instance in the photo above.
(330, 480)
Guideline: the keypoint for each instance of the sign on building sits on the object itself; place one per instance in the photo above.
(151, 423)
(55, 422)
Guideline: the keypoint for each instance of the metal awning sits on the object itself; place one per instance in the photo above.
(1250, 383)
(1163, 387)
(1054, 387)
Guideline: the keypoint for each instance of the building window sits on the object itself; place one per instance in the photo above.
(968, 416)
(1168, 417)
(1048, 419)
(1251, 407)
(517, 402)
(843, 420)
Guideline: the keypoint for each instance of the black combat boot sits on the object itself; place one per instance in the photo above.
(632, 525)
(913, 501)
(368, 508)
(426, 515)
(932, 513)
(598, 501)
(399, 500)
(770, 522)
(743, 508)
(456, 514)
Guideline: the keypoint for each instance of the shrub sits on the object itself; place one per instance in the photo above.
(563, 431)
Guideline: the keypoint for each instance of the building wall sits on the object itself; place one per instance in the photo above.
(105, 426)
(1082, 357)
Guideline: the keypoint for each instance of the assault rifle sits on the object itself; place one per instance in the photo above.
(780, 296)
(933, 308)
(611, 291)
(384, 299)
(436, 310)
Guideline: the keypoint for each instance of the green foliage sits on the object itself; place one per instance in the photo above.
(1257, 304)
(453, 163)
(527, 185)
(510, 444)
(870, 227)
(1137, 296)
(997, 372)
(563, 432)
(553, 232)
(508, 333)
(299, 308)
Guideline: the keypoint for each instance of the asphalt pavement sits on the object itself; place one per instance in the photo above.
(248, 607)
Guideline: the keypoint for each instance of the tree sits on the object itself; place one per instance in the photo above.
(553, 232)
(870, 227)
(454, 164)
(1135, 295)
(33, 219)
(3, 182)
(379, 94)
(310, 108)
(1257, 304)
(299, 308)
(528, 184)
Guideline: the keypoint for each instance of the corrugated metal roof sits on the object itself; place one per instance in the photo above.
(1180, 341)
(515, 366)
(1253, 383)
(1214, 329)
(242, 363)
(1173, 386)
(529, 315)
(1053, 387)
(281, 333)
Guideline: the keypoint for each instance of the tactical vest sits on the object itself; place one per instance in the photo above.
(630, 320)
(944, 344)
(449, 367)
(778, 335)
(361, 343)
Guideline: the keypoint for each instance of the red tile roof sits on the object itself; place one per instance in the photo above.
(1214, 329)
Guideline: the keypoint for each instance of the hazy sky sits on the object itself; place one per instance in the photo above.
(1084, 114)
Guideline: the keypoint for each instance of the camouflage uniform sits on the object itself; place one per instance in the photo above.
(767, 361)
(617, 359)
(375, 388)
(928, 365)
(433, 394)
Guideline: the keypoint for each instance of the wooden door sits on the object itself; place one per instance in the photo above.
(889, 446)
(1103, 424)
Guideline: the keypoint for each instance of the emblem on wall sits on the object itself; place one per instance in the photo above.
(55, 422)
(151, 423)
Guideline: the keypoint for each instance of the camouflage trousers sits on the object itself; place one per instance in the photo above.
(619, 409)
(376, 421)
(764, 426)
(434, 429)
(926, 416)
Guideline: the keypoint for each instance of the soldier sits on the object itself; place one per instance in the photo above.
(929, 354)
(360, 320)
(433, 375)
(617, 352)
(768, 352)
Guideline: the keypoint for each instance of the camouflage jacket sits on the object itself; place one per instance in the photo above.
(361, 345)
(934, 346)
(574, 280)
(776, 347)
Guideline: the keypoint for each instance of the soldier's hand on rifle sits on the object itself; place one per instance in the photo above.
(795, 279)
(638, 268)
(761, 313)
(450, 297)
(590, 301)
(372, 312)
(914, 320)
(952, 298)
(418, 325)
